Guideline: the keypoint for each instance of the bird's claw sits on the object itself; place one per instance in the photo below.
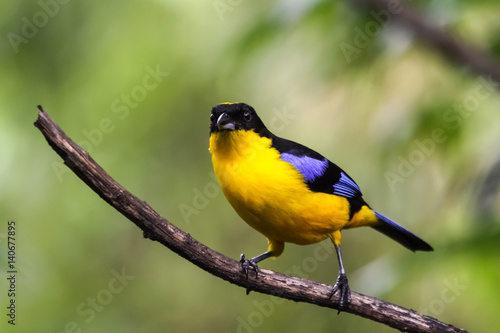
(342, 287)
(248, 264)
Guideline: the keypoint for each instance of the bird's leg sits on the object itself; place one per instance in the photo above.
(341, 285)
(252, 263)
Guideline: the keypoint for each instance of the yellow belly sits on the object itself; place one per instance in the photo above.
(270, 194)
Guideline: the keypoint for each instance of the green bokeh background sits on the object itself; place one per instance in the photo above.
(374, 112)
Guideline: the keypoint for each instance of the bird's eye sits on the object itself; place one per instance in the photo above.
(211, 117)
(247, 116)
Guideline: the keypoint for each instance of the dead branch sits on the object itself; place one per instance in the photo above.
(159, 229)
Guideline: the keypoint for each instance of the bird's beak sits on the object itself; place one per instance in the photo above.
(224, 123)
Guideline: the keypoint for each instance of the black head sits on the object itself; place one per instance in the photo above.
(233, 117)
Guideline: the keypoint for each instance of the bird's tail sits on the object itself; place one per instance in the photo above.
(396, 232)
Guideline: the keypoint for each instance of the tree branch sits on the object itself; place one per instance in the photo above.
(457, 51)
(159, 229)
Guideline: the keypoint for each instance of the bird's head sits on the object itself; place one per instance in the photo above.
(234, 117)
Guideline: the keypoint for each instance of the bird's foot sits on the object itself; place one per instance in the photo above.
(342, 286)
(247, 264)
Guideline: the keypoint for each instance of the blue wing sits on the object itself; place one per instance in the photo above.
(309, 167)
(321, 175)
(346, 187)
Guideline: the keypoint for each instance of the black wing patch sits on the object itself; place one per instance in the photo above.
(319, 173)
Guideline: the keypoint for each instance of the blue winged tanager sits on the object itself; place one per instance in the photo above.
(288, 192)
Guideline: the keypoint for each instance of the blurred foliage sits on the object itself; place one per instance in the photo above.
(134, 83)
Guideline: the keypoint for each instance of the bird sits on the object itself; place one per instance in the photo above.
(289, 192)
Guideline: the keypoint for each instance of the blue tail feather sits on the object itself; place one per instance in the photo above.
(401, 235)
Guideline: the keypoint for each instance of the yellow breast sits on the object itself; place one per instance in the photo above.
(269, 193)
